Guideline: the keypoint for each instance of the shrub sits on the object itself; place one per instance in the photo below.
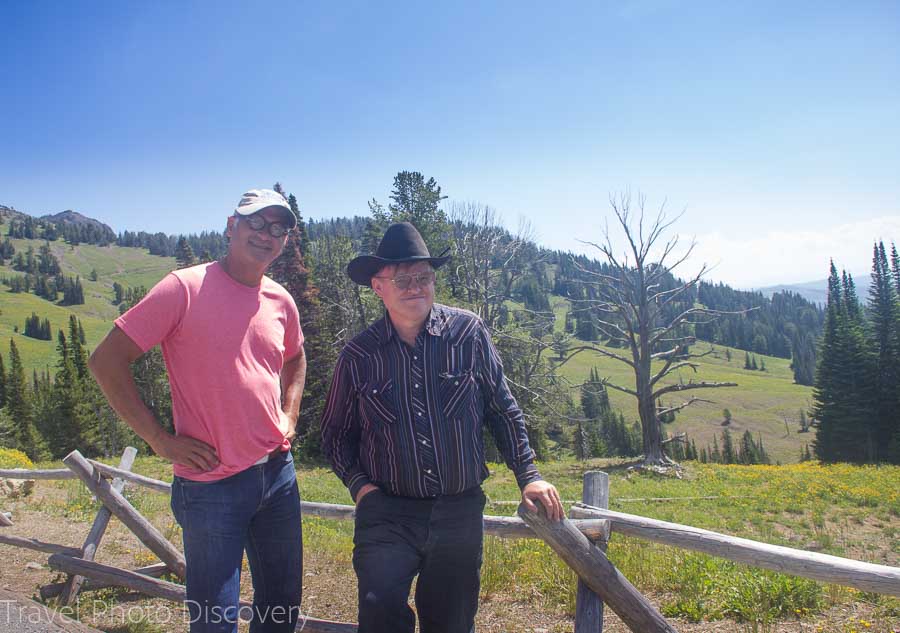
(11, 458)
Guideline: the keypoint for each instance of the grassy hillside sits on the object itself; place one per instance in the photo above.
(761, 402)
(128, 266)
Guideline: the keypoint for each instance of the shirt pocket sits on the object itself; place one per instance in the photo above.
(377, 403)
(457, 392)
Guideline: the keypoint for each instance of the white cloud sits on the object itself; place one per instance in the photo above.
(792, 256)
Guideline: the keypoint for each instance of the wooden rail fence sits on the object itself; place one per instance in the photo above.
(580, 540)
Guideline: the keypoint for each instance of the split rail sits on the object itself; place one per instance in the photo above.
(580, 540)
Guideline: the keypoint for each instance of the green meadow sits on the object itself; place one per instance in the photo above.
(767, 403)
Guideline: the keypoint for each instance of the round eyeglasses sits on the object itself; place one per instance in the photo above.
(421, 280)
(258, 223)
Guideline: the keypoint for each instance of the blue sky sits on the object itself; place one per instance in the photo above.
(775, 125)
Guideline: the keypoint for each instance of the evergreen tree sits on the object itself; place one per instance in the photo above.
(843, 390)
(22, 435)
(694, 455)
(291, 272)
(416, 200)
(2, 383)
(803, 359)
(895, 268)
(77, 350)
(747, 452)
(728, 454)
(714, 455)
(747, 364)
(184, 255)
(884, 341)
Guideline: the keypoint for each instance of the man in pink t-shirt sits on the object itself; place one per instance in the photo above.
(233, 348)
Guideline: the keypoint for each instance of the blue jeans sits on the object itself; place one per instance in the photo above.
(258, 510)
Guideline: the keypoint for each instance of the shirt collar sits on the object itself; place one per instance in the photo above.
(435, 324)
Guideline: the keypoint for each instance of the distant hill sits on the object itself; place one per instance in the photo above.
(73, 217)
(817, 291)
(11, 213)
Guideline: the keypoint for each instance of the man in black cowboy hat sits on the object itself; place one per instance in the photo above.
(403, 430)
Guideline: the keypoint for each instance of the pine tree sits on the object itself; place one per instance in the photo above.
(803, 358)
(747, 364)
(842, 391)
(884, 342)
(23, 434)
(714, 455)
(2, 383)
(415, 200)
(895, 268)
(291, 272)
(747, 452)
(76, 348)
(728, 453)
(184, 254)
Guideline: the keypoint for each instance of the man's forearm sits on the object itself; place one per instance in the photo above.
(293, 379)
(111, 366)
(117, 384)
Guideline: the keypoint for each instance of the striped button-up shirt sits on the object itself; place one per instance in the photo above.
(409, 419)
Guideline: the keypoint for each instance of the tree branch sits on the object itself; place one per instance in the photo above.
(681, 406)
(691, 385)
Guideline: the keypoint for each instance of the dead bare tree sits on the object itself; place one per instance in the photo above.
(634, 308)
(488, 260)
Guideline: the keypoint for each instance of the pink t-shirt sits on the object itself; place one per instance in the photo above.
(224, 344)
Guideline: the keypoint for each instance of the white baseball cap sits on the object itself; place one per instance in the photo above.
(259, 199)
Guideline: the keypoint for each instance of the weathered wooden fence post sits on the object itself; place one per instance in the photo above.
(599, 574)
(588, 605)
(125, 512)
(92, 542)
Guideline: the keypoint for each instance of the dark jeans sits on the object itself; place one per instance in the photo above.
(440, 539)
(258, 510)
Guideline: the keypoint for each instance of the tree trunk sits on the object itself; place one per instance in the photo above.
(650, 431)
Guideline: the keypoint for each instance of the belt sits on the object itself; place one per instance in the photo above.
(268, 457)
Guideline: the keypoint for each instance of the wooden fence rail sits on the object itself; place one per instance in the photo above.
(822, 567)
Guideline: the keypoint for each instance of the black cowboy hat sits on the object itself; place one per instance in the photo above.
(401, 244)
